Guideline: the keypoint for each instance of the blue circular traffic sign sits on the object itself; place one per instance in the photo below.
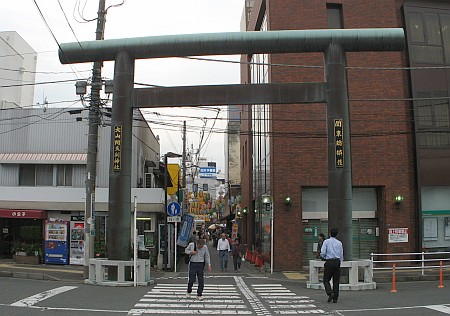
(173, 209)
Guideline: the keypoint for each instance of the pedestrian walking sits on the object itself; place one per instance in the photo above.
(333, 253)
(319, 245)
(193, 237)
(199, 257)
(237, 251)
(223, 247)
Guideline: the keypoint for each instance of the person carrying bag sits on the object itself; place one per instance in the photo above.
(198, 257)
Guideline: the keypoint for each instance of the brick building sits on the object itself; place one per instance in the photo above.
(399, 126)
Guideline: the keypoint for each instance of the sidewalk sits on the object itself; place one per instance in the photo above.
(73, 273)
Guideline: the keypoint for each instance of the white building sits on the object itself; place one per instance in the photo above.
(17, 67)
(43, 172)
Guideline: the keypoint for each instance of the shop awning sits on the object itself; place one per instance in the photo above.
(34, 158)
(22, 214)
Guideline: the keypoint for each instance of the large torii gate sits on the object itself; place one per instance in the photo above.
(333, 43)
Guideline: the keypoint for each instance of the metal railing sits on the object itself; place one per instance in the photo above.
(418, 260)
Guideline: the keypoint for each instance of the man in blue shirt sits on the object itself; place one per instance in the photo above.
(333, 254)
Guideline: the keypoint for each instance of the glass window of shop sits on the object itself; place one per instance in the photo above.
(259, 71)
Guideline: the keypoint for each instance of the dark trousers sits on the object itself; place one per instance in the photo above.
(237, 260)
(196, 270)
(332, 269)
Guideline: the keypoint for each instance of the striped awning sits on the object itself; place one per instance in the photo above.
(43, 158)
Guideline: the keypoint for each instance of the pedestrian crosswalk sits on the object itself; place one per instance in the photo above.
(224, 299)
(282, 301)
(221, 299)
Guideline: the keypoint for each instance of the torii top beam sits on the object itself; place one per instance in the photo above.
(234, 43)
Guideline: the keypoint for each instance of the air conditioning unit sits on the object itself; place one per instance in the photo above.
(149, 180)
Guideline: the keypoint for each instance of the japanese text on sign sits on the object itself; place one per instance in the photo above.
(18, 214)
(397, 235)
(339, 143)
(117, 148)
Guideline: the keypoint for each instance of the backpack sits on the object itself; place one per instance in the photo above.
(187, 258)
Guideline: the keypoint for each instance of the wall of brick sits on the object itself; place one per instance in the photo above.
(381, 131)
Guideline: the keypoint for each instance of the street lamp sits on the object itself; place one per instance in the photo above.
(267, 200)
(166, 230)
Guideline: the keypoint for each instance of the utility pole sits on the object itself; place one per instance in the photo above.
(91, 166)
(185, 193)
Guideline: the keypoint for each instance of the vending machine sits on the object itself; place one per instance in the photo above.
(77, 240)
(56, 250)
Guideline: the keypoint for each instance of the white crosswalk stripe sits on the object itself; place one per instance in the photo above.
(220, 299)
(225, 299)
(283, 302)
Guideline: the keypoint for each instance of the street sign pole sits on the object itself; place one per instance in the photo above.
(175, 246)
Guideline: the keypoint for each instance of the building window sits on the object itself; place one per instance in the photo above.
(334, 16)
(27, 175)
(64, 175)
(35, 175)
(433, 119)
(416, 30)
(427, 36)
(43, 175)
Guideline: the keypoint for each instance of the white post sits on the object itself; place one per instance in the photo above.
(135, 274)
(175, 246)
(271, 237)
(423, 263)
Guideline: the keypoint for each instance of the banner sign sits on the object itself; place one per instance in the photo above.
(185, 230)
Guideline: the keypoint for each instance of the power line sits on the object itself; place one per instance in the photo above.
(38, 83)
(42, 72)
(70, 26)
(51, 32)
(312, 66)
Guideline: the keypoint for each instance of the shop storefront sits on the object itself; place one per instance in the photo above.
(20, 226)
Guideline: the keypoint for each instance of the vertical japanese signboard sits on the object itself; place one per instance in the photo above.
(339, 143)
(117, 152)
(234, 231)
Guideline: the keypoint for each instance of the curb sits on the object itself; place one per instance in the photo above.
(28, 275)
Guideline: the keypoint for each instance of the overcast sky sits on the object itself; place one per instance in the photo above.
(134, 18)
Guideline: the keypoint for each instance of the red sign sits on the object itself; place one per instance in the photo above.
(23, 214)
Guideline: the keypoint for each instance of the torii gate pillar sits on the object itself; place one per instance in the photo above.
(119, 233)
(339, 156)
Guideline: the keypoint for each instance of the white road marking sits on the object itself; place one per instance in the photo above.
(191, 304)
(160, 299)
(283, 302)
(43, 308)
(290, 301)
(208, 295)
(293, 306)
(255, 303)
(440, 308)
(297, 312)
(30, 301)
(138, 312)
(278, 295)
(170, 299)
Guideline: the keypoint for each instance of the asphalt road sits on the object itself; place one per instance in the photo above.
(227, 294)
